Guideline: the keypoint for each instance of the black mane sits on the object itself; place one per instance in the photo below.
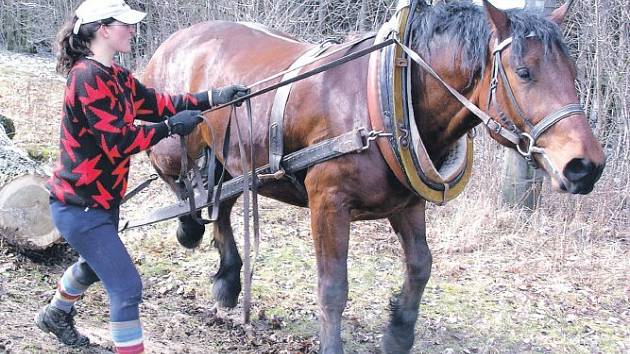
(467, 26)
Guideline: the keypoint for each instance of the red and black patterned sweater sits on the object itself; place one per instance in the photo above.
(98, 135)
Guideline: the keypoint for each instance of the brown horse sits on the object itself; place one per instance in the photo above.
(457, 41)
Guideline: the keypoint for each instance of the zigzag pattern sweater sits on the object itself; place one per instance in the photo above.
(98, 134)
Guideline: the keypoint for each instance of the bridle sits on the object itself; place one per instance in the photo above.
(513, 133)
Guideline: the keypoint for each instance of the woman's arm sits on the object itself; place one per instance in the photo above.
(152, 106)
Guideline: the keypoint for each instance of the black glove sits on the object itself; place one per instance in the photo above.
(228, 93)
(184, 122)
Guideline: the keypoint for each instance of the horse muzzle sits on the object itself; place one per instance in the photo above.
(580, 176)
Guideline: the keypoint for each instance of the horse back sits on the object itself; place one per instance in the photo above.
(210, 55)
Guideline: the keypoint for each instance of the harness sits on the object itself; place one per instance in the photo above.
(515, 135)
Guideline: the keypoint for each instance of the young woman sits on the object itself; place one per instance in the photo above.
(97, 138)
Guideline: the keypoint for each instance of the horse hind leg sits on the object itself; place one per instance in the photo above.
(411, 230)
(227, 280)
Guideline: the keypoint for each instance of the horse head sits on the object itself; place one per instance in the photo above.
(516, 67)
(529, 87)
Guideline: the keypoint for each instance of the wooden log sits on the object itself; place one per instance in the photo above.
(25, 220)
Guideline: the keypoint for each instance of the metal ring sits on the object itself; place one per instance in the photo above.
(530, 145)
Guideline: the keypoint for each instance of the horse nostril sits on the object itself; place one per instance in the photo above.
(578, 169)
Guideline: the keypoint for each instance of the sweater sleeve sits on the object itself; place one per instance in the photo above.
(108, 118)
(118, 137)
(152, 106)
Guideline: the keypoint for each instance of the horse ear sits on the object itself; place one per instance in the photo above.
(498, 20)
(557, 16)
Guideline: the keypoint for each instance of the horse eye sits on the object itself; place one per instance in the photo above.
(523, 73)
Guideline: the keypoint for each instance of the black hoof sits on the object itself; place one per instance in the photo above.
(398, 337)
(189, 232)
(226, 289)
(397, 343)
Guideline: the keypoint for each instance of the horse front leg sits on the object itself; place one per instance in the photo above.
(410, 227)
(330, 224)
(227, 281)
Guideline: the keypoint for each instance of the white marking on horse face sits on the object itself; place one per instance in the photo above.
(264, 29)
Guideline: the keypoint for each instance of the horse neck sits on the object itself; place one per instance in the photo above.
(440, 117)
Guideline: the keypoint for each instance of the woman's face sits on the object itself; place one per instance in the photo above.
(119, 36)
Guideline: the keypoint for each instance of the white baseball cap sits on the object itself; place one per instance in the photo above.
(94, 10)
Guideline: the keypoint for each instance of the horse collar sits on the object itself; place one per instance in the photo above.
(390, 110)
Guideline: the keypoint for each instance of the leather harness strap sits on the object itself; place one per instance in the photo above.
(376, 113)
(276, 131)
(354, 141)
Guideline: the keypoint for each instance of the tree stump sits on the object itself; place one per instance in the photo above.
(25, 220)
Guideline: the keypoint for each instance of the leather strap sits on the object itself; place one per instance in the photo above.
(189, 190)
(555, 117)
(139, 188)
(352, 142)
(276, 121)
(485, 118)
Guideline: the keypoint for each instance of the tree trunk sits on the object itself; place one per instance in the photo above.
(25, 220)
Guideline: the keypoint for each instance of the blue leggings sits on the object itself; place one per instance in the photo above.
(93, 233)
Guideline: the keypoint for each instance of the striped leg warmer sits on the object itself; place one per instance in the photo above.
(127, 337)
(69, 290)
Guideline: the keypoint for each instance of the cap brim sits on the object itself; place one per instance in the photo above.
(130, 17)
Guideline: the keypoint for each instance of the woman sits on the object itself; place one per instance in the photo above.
(98, 136)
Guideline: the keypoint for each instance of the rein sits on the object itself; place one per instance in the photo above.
(307, 74)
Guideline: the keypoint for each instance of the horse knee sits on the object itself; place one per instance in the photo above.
(333, 296)
(420, 269)
(189, 232)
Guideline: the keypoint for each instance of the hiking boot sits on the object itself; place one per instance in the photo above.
(61, 324)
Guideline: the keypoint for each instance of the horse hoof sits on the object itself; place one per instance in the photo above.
(225, 291)
(189, 233)
(396, 344)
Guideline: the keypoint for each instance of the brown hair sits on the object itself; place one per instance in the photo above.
(71, 47)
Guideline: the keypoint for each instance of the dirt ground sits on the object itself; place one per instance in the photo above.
(503, 281)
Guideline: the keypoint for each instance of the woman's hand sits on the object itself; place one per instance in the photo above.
(184, 122)
(228, 93)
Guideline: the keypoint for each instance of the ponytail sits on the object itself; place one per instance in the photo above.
(72, 47)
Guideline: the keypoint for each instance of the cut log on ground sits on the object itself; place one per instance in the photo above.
(24, 213)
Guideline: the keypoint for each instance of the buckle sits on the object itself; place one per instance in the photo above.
(497, 126)
(368, 137)
(271, 176)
